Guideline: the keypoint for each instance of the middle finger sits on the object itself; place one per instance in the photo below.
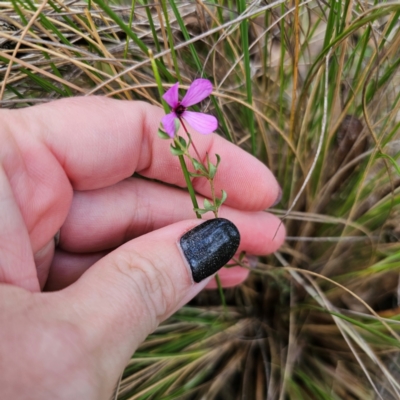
(106, 218)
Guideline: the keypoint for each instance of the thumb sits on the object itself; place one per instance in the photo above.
(124, 296)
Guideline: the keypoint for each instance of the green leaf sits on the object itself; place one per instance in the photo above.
(194, 175)
(212, 170)
(224, 196)
(242, 255)
(201, 211)
(180, 147)
(163, 135)
(198, 166)
(176, 151)
(392, 161)
(219, 202)
(182, 142)
(208, 205)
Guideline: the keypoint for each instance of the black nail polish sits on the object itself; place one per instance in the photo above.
(209, 246)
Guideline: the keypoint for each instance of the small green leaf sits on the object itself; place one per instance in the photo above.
(212, 170)
(198, 166)
(200, 211)
(182, 143)
(194, 175)
(175, 151)
(219, 202)
(242, 255)
(208, 205)
(224, 196)
(163, 135)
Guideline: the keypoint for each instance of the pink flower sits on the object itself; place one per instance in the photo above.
(198, 91)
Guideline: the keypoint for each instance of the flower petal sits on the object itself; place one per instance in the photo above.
(203, 123)
(169, 124)
(171, 96)
(198, 91)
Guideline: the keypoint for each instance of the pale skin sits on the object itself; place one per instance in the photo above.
(72, 317)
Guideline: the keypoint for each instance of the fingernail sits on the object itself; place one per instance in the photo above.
(278, 199)
(209, 246)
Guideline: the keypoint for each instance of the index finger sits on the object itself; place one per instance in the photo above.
(100, 141)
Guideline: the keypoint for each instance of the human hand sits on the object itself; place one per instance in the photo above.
(68, 164)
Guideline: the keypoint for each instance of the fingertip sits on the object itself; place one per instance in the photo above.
(229, 277)
(279, 236)
(263, 188)
(250, 184)
(268, 191)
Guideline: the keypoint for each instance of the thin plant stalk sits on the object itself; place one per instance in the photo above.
(183, 165)
(132, 13)
(181, 158)
(244, 33)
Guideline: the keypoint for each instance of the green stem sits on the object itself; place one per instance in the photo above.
(152, 27)
(221, 292)
(171, 40)
(111, 13)
(244, 30)
(189, 185)
(130, 26)
(194, 201)
(211, 182)
(183, 165)
(158, 81)
(181, 158)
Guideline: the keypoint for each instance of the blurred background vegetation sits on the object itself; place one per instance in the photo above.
(311, 88)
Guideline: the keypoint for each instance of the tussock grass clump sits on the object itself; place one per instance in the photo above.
(310, 88)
